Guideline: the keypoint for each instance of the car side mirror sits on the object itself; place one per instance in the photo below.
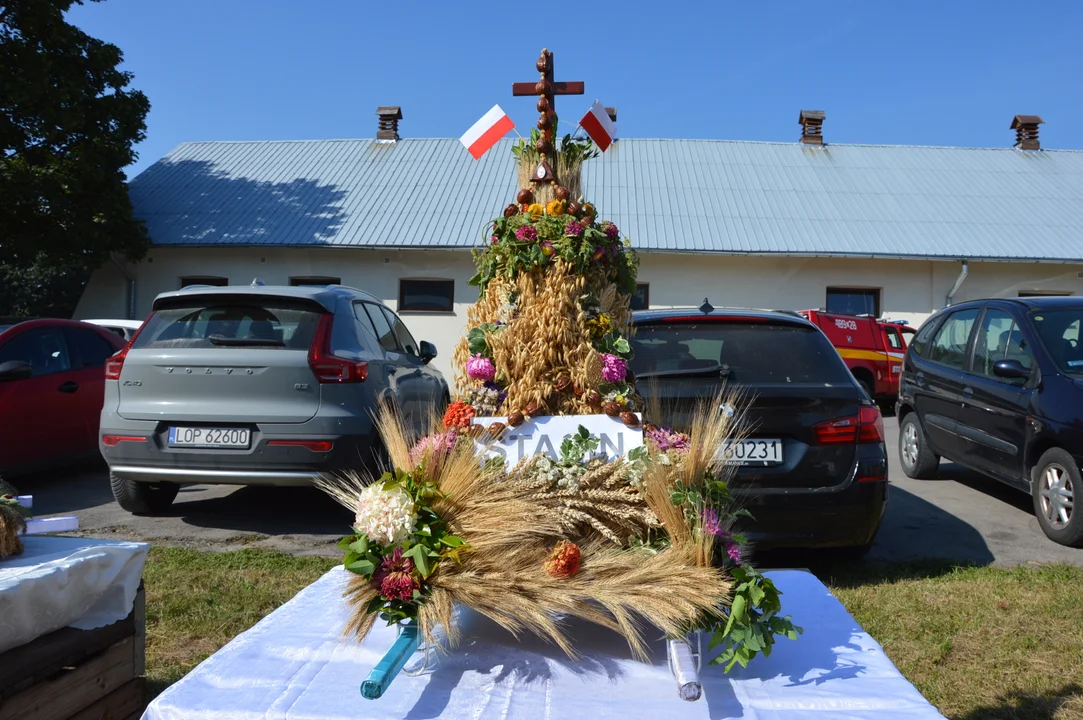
(426, 351)
(15, 370)
(1010, 369)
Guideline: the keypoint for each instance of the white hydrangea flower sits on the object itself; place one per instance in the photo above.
(385, 516)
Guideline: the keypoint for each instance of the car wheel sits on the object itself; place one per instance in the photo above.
(140, 498)
(918, 461)
(851, 553)
(1055, 483)
(865, 386)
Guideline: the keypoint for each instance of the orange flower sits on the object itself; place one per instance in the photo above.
(555, 207)
(535, 210)
(564, 560)
(458, 415)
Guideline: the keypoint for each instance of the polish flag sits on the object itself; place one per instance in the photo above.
(485, 132)
(598, 125)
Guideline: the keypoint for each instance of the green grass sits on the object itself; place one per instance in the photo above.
(979, 643)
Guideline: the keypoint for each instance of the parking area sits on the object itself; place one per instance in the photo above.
(960, 516)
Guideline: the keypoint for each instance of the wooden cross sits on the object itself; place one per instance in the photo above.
(547, 88)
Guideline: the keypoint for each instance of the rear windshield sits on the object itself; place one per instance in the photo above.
(231, 323)
(1059, 331)
(743, 353)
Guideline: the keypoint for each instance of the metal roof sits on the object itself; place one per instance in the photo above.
(706, 196)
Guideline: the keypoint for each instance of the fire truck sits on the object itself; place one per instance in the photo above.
(872, 348)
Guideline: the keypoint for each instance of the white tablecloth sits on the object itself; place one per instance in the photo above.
(295, 664)
(67, 582)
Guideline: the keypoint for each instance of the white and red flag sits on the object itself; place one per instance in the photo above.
(598, 125)
(485, 132)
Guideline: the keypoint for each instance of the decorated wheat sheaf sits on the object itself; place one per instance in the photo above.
(632, 542)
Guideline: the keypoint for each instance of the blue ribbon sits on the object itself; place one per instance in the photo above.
(392, 663)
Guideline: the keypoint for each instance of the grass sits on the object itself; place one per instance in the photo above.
(979, 643)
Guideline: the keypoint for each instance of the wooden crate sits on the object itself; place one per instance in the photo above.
(78, 674)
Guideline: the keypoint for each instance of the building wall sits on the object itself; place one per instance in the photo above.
(910, 290)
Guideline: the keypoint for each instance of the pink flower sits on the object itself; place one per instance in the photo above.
(494, 239)
(435, 446)
(611, 230)
(527, 233)
(480, 368)
(573, 229)
(395, 577)
(734, 552)
(598, 254)
(712, 525)
(546, 248)
(614, 369)
(664, 439)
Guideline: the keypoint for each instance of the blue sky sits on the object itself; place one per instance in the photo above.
(917, 72)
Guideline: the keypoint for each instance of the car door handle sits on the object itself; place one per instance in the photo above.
(69, 387)
(968, 393)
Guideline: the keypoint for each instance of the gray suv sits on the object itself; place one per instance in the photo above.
(257, 385)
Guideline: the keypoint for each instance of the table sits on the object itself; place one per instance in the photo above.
(59, 582)
(295, 664)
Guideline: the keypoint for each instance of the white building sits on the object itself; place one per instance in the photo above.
(888, 230)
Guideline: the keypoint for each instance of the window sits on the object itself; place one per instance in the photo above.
(215, 280)
(427, 296)
(1000, 339)
(642, 298)
(43, 349)
(405, 339)
(920, 342)
(739, 352)
(364, 319)
(314, 281)
(850, 301)
(88, 348)
(1058, 330)
(949, 346)
(231, 324)
(894, 340)
(384, 333)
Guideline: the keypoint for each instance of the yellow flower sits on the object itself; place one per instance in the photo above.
(555, 207)
(588, 210)
(535, 210)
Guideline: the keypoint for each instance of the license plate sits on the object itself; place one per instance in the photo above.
(209, 437)
(754, 451)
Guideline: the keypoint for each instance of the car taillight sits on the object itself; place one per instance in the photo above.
(865, 427)
(115, 364)
(313, 445)
(328, 367)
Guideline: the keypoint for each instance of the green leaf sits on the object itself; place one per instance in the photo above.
(451, 541)
(420, 555)
(361, 567)
(374, 604)
(360, 546)
(344, 543)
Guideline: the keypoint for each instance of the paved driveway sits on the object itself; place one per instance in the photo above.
(961, 516)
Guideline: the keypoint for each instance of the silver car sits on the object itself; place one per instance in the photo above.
(257, 385)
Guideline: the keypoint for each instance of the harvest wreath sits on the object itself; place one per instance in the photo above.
(626, 537)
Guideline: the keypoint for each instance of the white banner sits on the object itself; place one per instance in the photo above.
(543, 436)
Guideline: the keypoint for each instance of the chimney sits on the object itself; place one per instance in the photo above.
(1026, 131)
(812, 122)
(389, 123)
(612, 113)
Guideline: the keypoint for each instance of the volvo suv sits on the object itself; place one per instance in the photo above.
(997, 386)
(257, 385)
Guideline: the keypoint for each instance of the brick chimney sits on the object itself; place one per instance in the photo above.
(1026, 131)
(612, 113)
(812, 122)
(389, 122)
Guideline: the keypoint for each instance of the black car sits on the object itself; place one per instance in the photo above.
(997, 386)
(814, 465)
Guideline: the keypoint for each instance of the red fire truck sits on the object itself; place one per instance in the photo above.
(873, 349)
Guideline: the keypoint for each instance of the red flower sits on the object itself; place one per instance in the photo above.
(395, 577)
(564, 560)
(458, 415)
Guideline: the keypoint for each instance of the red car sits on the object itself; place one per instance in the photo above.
(52, 385)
